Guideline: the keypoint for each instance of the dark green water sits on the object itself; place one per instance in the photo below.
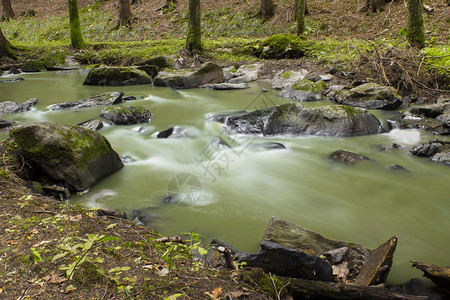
(239, 190)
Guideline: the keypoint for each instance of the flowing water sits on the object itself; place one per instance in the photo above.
(231, 193)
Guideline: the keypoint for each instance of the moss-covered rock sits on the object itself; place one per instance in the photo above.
(54, 60)
(296, 119)
(126, 115)
(369, 96)
(160, 61)
(72, 155)
(117, 77)
(281, 46)
(33, 66)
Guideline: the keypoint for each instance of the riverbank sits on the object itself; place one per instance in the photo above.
(51, 249)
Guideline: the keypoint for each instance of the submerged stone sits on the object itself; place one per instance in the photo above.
(369, 96)
(5, 123)
(347, 157)
(126, 115)
(295, 119)
(18, 79)
(73, 155)
(118, 76)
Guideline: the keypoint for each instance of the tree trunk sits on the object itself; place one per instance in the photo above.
(125, 15)
(75, 28)
(194, 37)
(301, 16)
(415, 29)
(5, 47)
(267, 9)
(8, 12)
(296, 8)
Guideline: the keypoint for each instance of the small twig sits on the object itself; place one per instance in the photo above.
(389, 11)
(418, 70)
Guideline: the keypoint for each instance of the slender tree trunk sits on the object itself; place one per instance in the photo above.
(267, 9)
(125, 15)
(8, 12)
(301, 16)
(5, 47)
(415, 29)
(75, 28)
(194, 37)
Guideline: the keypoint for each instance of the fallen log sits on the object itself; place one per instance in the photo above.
(310, 289)
(439, 275)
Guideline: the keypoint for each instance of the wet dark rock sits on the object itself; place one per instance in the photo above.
(175, 132)
(336, 256)
(286, 79)
(56, 191)
(398, 168)
(226, 86)
(73, 155)
(111, 213)
(184, 79)
(129, 98)
(33, 66)
(9, 107)
(118, 76)
(222, 117)
(369, 96)
(285, 261)
(347, 157)
(268, 146)
(5, 123)
(424, 149)
(126, 115)
(295, 119)
(420, 287)
(13, 71)
(151, 70)
(144, 216)
(92, 125)
(95, 101)
(18, 79)
(293, 236)
(444, 119)
(442, 157)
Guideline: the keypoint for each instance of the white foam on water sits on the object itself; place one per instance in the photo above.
(405, 136)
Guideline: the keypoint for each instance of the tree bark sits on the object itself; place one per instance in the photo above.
(301, 16)
(5, 47)
(267, 9)
(125, 15)
(194, 38)
(415, 29)
(8, 12)
(306, 289)
(75, 28)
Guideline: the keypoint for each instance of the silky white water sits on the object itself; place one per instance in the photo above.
(231, 193)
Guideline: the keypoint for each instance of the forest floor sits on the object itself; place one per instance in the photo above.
(51, 250)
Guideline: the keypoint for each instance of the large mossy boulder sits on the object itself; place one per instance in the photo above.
(9, 107)
(71, 155)
(118, 76)
(126, 115)
(296, 119)
(185, 79)
(33, 66)
(106, 99)
(282, 46)
(369, 96)
(160, 61)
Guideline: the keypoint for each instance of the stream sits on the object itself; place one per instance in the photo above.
(231, 193)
